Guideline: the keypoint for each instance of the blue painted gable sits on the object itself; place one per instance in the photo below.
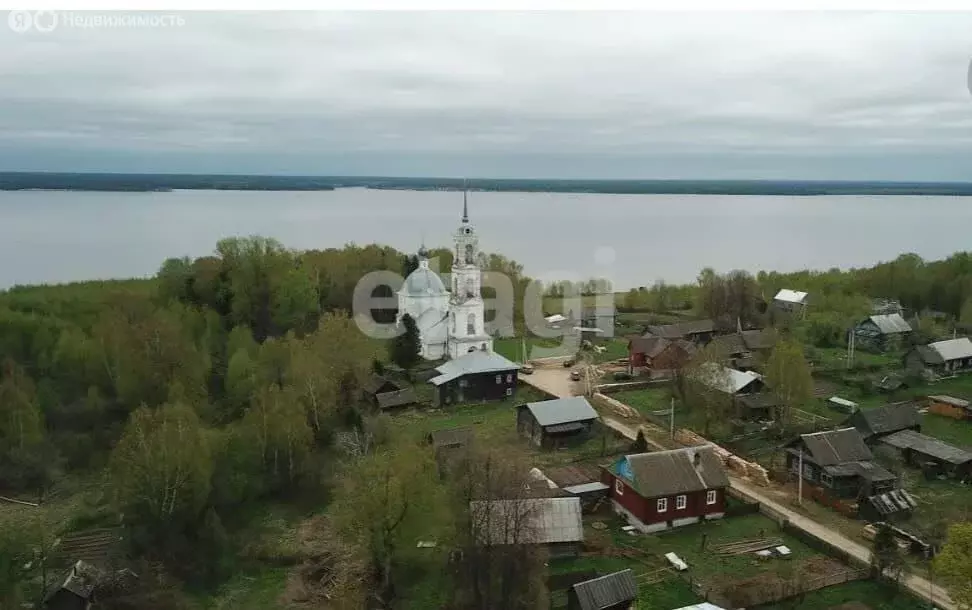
(624, 468)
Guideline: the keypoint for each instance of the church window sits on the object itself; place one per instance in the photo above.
(469, 287)
(453, 323)
(469, 254)
(471, 324)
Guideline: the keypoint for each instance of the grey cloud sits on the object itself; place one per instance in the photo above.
(557, 94)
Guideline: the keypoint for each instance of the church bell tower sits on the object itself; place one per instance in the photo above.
(467, 324)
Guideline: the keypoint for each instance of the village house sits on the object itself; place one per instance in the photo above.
(77, 590)
(664, 489)
(931, 454)
(699, 332)
(881, 332)
(474, 377)
(729, 381)
(839, 464)
(555, 523)
(554, 423)
(377, 384)
(872, 424)
(941, 357)
(616, 591)
(658, 354)
(744, 349)
(791, 301)
(949, 406)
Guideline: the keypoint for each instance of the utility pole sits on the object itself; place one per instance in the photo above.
(850, 348)
(671, 425)
(800, 480)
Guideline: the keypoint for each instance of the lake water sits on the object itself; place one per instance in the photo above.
(632, 239)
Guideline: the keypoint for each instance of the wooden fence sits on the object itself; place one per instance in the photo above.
(763, 590)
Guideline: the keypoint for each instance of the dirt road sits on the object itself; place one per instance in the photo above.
(556, 381)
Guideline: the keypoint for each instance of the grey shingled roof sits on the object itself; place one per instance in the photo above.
(400, 398)
(650, 346)
(606, 591)
(546, 520)
(886, 419)
(953, 349)
(376, 382)
(928, 445)
(473, 363)
(450, 437)
(890, 324)
(761, 339)
(665, 473)
(681, 329)
(561, 410)
(836, 446)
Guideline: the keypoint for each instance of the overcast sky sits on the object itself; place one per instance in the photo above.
(560, 95)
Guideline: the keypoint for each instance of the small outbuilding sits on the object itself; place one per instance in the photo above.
(396, 399)
(555, 523)
(553, 423)
(478, 376)
(77, 590)
(616, 591)
(949, 406)
(378, 384)
(895, 505)
(885, 420)
(931, 454)
(941, 357)
(879, 332)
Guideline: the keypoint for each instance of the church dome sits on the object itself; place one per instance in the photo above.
(423, 282)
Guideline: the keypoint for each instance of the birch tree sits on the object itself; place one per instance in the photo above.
(277, 425)
(161, 469)
(788, 376)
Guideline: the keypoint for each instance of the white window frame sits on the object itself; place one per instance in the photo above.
(808, 472)
(826, 479)
(711, 497)
(681, 502)
(661, 505)
(509, 378)
(509, 391)
(618, 487)
(499, 379)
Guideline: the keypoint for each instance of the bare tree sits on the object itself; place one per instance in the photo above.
(705, 386)
(499, 564)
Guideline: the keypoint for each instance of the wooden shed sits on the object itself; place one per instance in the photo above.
(949, 406)
(616, 591)
(553, 423)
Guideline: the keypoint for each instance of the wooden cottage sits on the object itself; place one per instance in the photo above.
(616, 591)
(888, 419)
(555, 523)
(746, 348)
(791, 301)
(658, 353)
(554, 423)
(934, 456)
(696, 331)
(475, 377)
(879, 332)
(77, 590)
(664, 489)
(838, 464)
(949, 406)
(941, 357)
(376, 385)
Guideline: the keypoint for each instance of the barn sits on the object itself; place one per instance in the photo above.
(554, 423)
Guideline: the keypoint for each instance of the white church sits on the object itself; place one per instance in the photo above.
(449, 323)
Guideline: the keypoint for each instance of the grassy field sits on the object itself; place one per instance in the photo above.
(874, 596)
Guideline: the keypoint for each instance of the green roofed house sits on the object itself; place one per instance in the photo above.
(478, 376)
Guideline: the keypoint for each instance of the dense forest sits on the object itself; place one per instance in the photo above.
(177, 406)
(166, 182)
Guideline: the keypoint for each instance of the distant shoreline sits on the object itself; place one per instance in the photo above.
(145, 183)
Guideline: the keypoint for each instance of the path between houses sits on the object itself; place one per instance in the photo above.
(557, 383)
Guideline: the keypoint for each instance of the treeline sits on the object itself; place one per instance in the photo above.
(928, 290)
(215, 386)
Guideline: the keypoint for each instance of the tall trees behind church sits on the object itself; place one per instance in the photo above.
(405, 350)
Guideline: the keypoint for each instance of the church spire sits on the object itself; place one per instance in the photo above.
(465, 203)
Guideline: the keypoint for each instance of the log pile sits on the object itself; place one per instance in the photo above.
(741, 547)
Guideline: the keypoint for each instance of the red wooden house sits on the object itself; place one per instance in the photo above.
(663, 489)
(658, 353)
